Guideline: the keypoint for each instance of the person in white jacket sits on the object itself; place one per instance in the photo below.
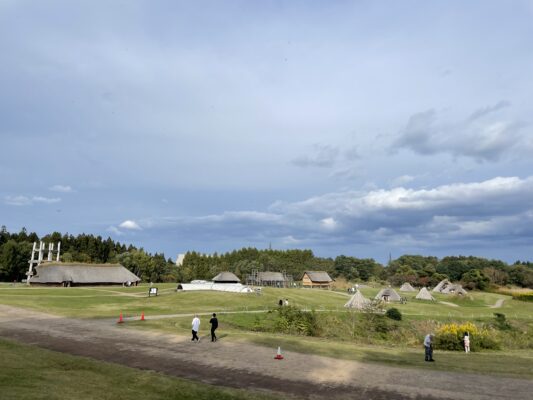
(466, 340)
(195, 328)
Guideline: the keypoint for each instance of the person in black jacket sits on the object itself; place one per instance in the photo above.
(214, 325)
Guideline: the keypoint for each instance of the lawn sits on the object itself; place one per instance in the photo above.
(237, 320)
(28, 372)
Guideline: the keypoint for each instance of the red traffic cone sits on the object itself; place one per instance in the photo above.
(278, 356)
(142, 316)
(120, 319)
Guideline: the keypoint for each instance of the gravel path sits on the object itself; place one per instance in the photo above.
(498, 303)
(249, 366)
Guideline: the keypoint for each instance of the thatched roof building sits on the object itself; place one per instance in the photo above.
(226, 277)
(446, 287)
(357, 301)
(74, 274)
(406, 287)
(388, 294)
(320, 279)
(424, 295)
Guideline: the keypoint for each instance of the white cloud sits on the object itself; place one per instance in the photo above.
(17, 200)
(28, 201)
(46, 200)
(115, 230)
(61, 188)
(328, 223)
(130, 224)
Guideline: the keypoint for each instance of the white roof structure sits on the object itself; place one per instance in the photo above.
(219, 287)
(424, 295)
(406, 287)
(357, 301)
(388, 294)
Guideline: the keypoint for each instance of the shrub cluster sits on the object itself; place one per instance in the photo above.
(524, 297)
(394, 313)
(290, 320)
(450, 337)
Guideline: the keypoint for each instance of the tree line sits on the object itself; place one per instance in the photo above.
(474, 272)
(15, 252)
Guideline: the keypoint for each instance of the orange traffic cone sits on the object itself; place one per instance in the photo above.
(278, 356)
(142, 316)
(120, 319)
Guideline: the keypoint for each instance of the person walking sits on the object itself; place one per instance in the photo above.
(195, 328)
(214, 325)
(428, 345)
(466, 340)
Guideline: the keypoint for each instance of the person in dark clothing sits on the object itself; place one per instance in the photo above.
(214, 325)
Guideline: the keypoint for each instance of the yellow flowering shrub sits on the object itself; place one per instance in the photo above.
(450, 337)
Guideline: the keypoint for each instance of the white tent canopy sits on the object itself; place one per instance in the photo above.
(220, 287)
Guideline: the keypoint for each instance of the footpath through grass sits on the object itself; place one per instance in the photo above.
(31, 373)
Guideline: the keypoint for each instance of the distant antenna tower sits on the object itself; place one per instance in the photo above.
(40, 256)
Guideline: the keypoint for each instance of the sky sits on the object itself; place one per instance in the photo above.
(363, 128)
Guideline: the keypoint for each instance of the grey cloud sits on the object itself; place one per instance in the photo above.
(322, 156)
(498, 210)
(489, 109)
(480, 139)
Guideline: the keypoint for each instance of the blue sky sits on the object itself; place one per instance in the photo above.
(348, 127)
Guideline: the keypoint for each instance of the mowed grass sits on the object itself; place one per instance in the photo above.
(108, 302)
(28, 372)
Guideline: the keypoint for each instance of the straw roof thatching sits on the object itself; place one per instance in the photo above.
(270, 276)
(318, 276)
(406, 287)
(357, 301)
(388, 294)
(424, 295)
(80, 273)
(226, 277)
(446, 287)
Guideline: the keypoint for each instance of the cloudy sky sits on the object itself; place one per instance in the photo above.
(348, 127)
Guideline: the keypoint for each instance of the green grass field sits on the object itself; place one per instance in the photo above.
(237, 320)
(31, 373)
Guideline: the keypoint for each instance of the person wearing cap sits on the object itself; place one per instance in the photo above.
(428, 345)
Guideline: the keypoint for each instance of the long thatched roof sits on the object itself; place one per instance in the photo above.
(82, 273)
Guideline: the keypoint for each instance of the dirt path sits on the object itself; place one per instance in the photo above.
(448, 304)
(498, 303)
(249, 366)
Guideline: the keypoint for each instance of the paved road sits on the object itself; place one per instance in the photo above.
(249, 366)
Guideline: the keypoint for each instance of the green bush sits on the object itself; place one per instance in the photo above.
(394, 313)
(524, 297)
(501, 322)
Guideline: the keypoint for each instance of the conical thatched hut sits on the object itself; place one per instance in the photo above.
(446, 287)
(406, 287)
(441, 286)
(388, 294)
(357, 301)
(424, 295)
